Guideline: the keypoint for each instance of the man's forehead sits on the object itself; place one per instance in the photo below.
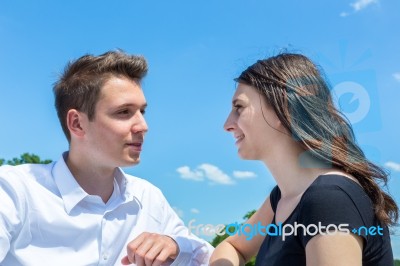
(122, 92)
(119, 83)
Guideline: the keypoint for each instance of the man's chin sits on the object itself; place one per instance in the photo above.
(131, 162)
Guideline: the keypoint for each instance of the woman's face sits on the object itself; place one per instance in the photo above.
(253, 123)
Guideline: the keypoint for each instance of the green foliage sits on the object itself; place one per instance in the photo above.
(25, 158)
(396, 262)
(218, 239)
(252, 262)
(249, 214)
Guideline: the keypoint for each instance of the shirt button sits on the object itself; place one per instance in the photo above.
(105, 256)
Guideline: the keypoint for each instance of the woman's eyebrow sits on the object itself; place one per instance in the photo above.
(235, 101)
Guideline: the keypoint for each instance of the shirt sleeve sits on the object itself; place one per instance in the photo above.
(193, 250)
(328, 208)
(10, 212)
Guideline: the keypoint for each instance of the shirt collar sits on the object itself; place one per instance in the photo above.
(71, 192)
(129, 189)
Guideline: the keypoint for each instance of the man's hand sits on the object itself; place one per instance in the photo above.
(150, 249)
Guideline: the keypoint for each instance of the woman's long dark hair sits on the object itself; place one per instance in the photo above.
(301, 98)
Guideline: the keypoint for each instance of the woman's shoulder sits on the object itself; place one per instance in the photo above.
(330, 186)
(337, 197)
(336, 184)
(339, 200)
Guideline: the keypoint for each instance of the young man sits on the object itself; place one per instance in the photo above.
(83, 209)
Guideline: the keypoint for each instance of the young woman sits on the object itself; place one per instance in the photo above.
(327, 192)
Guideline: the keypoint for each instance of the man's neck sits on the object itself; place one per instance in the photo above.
(93, 179)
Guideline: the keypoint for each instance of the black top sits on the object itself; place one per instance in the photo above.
(330, 200)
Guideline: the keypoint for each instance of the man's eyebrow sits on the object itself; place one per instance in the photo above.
(143, 106)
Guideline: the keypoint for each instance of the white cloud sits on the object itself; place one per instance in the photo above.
(186, 173)
(243, 174)
(178, 211)
(361, 4)
(205, 171)
(216, 175)
(194, 210)
(397, 76)
(393, 166)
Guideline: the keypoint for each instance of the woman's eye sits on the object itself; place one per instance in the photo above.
(238, 108)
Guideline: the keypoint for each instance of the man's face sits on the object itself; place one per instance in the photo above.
(116, 133)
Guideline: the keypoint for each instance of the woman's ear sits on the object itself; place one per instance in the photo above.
(270, 115)
(76, 123)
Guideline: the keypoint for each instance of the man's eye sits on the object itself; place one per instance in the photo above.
(143, 111)
(123, 112)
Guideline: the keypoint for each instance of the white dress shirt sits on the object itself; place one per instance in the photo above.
(46, 218)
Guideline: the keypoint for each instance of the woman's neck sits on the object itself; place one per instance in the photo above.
(294, 169)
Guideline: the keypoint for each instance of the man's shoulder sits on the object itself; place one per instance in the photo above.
(25, 173)
(142, 188)
(140, 182)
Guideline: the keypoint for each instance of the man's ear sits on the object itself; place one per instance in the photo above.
(76, 123)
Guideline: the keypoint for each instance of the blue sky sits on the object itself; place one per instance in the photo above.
(194, 50)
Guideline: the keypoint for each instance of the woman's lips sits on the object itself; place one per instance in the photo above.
(239, 139)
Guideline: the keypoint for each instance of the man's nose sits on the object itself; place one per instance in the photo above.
(140, 124)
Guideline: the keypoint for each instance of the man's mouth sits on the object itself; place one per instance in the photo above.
(137, 146)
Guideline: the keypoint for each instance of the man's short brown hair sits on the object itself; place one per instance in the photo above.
(80, 84)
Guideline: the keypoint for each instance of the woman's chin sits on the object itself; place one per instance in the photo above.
(244, 156)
